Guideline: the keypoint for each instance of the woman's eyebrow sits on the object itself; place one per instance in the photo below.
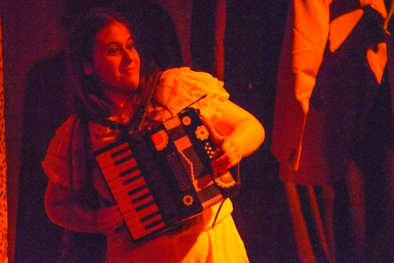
(118, 42)
(112, 43)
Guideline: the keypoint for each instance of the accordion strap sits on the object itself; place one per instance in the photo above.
(140, 114)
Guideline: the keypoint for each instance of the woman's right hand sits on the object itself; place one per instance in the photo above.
(109, 219)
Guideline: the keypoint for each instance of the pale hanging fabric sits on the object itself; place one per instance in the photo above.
(3, 168)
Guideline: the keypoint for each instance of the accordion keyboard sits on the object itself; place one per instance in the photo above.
(128, 186)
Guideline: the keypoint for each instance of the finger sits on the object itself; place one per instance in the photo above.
(110, 226)
(226, 163)
(114, 225)
(110, 215)
(111, 229)
(111, 220)
(224, 153)
(109, 212)
(236, 161)
(225, 168)
(218, 152)
(223, 159)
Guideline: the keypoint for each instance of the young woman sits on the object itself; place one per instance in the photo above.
(112, 83)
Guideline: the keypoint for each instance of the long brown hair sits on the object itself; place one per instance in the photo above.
(89, 99)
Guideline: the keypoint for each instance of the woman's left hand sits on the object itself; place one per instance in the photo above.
(227, 154)
(109, 219)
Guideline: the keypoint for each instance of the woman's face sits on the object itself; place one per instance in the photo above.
(115, 61)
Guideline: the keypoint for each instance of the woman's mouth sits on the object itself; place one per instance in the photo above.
(129, 71)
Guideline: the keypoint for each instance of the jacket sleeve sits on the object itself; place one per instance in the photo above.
(304, 42)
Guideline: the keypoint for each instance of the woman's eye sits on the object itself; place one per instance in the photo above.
(130, 46)
(113, 50)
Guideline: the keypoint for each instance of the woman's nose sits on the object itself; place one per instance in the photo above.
(128, 56)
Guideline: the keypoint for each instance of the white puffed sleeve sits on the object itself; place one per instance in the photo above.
(180, 87)
(57, 160)
(65, 160)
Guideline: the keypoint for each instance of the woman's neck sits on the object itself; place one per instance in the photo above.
(124, 107)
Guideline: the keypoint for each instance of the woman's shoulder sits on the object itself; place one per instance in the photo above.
(186, 75)
(63, 133)
(55, 164)
(186, 72)
(179, 87)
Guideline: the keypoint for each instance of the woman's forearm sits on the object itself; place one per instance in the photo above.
(242, 127)
(249, 134)
(237, 134)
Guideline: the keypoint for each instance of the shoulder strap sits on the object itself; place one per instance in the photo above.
(140, 114)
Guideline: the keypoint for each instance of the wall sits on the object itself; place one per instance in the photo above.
(31, 32)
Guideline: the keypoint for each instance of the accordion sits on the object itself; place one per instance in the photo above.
(161, 177)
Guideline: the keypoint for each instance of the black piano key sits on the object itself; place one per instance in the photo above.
(128, 171)
(121, 180)
(140, 230)
(111, 172)
(146, 218)
(105, 158)
(125, 159)
(127, 205)
(142, 207)
(140, 198)
(135, 178)
(136, 190)
(151, 225)
(115, 154)
(129, 189)
(132, 217)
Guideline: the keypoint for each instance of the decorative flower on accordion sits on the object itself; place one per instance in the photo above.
(202, 132)
(160, 139)
(186, 120)
(188, 200)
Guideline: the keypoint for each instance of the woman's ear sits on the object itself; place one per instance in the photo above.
(88, 68)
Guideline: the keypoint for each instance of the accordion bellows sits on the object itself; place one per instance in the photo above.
(162, 177)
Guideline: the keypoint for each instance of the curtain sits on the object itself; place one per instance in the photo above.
(3, 169)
